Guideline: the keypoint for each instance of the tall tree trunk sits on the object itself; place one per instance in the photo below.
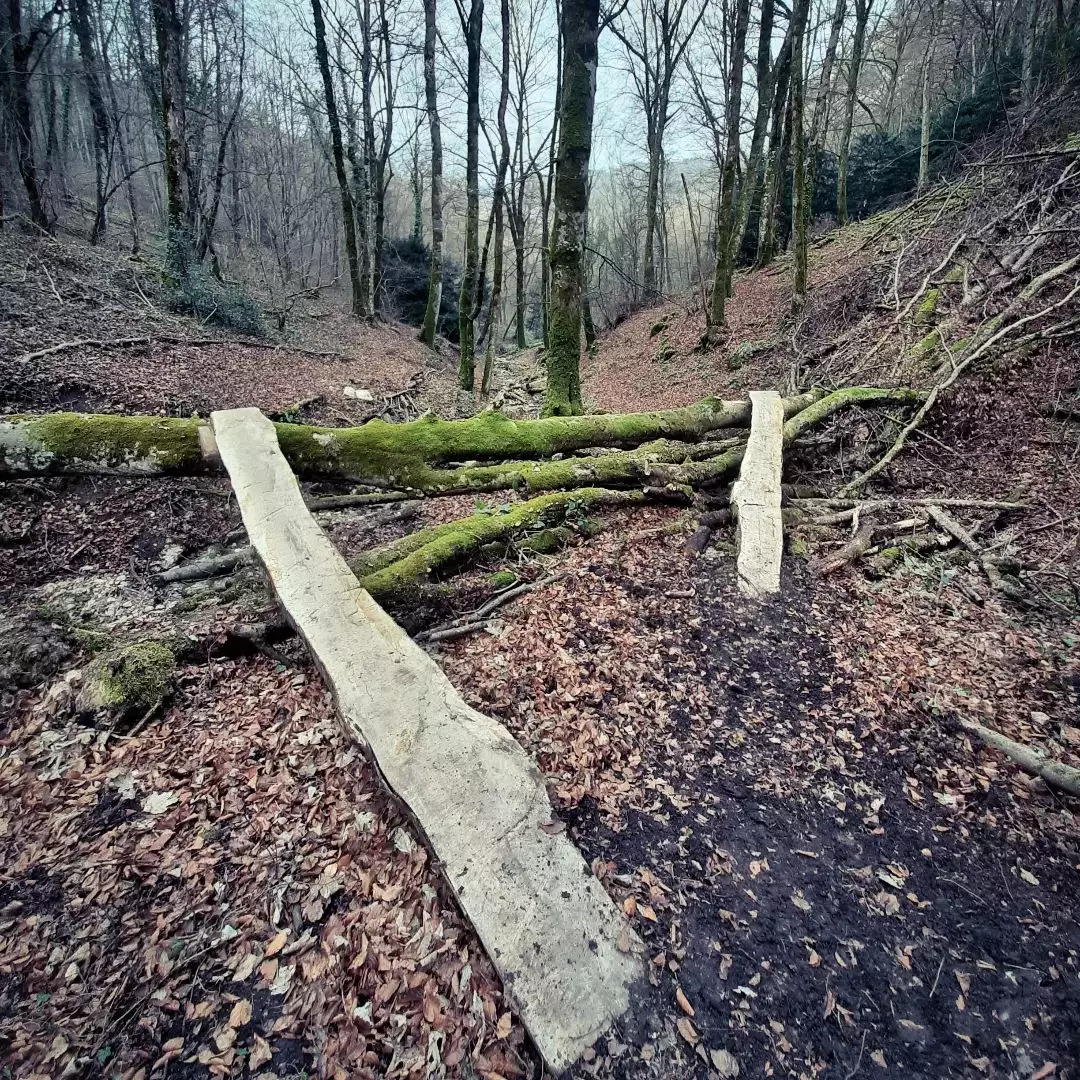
(470, 284)
(364, 200)
(764, 79)
(434, 296)
(547, 190)
(924, 127)
(725, 214)
(862, 17)
(81, 20)
(169, 34)
(417, 181)
(18, 51)
(820, 118)
(498, 198)
(579, 29)
(382, 168)
(123, 150)
(338, 152)
(800, 210)
(772, 192)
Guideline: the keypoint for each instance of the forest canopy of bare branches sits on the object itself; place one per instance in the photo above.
(411, 152)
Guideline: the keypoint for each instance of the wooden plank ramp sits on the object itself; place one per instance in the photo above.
(566, 956)
(755, 498)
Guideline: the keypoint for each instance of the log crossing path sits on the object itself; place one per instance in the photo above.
(755, 499)
(566, 956)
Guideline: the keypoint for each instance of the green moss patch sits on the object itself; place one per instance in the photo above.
(130, 681)
(928, 308)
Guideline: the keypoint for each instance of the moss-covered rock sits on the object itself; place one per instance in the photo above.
(502, 579)
(130, 681)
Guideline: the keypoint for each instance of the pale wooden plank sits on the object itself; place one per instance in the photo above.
(552, 932)
(755, 498)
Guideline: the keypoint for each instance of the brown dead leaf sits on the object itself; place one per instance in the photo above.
(725, 1064)
(260, 1055)
(1044, 1071)
(241, 1014)
(277, 943)
(687, 1030)
(684, 1004)
(502, 1029)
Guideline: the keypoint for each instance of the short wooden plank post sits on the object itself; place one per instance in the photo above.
(566, 955)
(755, 498)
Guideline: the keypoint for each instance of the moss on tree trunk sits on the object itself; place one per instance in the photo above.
(378, 452)
(580, 20)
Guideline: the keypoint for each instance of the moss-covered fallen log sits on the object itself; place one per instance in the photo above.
(673, 448)
(390, 569)
(377, 452)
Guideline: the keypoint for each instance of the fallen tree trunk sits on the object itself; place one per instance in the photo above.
(565, 954)
(377, 452)
(664, 449)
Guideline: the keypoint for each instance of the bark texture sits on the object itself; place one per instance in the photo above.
(580, 25)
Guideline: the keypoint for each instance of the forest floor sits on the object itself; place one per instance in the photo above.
(831, 878)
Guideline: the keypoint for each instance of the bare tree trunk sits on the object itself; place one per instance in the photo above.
(579, 29)
(338, 151)
(548, 189)
(820, 116)
(764, 91)
(725, 214)
(772, 191)
(18, 53)
(498, 197)
(363, 171)
(470, 283)
(417, 191)
(80, 18)
(800, 210)
(434, 296)
(169, 34)
(862, 17)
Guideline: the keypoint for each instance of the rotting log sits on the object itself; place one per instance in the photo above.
(755, 499)
(566, 956)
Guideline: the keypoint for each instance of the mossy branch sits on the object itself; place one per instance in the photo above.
(410, 560)
(841, 399)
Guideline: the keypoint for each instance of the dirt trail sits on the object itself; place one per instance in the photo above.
(826, 872)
